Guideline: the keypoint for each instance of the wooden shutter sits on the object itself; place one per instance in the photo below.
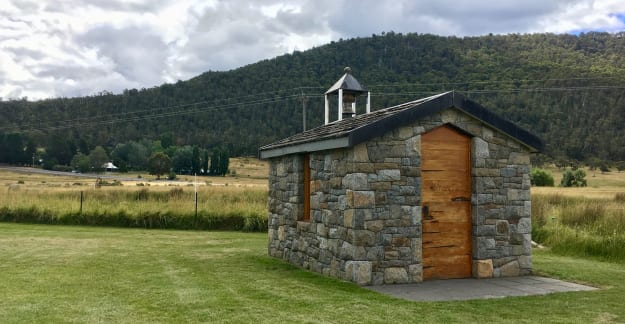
(306, 214)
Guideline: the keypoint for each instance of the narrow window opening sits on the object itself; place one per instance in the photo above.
(306, 214)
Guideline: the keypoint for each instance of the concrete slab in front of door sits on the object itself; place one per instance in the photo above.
(465, 289)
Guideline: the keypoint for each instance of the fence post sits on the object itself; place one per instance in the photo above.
(195, 190)
(195, 217)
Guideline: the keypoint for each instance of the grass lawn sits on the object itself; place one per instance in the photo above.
(93, 274)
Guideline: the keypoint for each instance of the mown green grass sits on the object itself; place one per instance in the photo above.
(90, 274)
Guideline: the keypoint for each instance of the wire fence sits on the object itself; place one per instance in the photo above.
(207, 209)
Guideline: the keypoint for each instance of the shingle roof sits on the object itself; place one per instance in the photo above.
(352, 131)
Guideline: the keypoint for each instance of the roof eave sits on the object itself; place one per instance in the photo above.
(348, 83)
(440, 103)
(516, 133)
(337, 85)
(328, 144)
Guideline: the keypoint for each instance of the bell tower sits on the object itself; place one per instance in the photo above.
(347, 88)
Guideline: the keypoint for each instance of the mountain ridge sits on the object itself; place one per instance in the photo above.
(567, 89)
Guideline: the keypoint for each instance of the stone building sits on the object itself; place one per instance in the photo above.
(430, 189)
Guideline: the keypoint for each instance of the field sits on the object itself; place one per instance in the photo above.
(94, 274)
(108, 274)
(585, 222)
(233, 202)
(600, 185)
(246, 172)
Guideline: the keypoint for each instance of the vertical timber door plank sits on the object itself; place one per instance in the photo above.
(446, 191)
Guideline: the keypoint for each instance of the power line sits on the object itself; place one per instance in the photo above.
(83, 123)
(303, 95)
(517, 90)
(152, 109)
(489, 82)
(196, 107)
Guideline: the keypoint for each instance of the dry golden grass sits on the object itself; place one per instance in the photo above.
(600, 185)
(47, 198)
(587, 192)
(595, 178)
(173, 199)
(588, 221)
(245, 172)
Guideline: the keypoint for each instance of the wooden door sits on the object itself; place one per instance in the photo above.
(446, 204)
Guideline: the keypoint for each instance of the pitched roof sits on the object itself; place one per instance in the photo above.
(352, 131)
(346, 82)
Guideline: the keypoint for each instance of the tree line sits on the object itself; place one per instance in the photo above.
(567, 89)
(160, 157)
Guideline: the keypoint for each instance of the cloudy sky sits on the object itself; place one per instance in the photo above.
(80, 47)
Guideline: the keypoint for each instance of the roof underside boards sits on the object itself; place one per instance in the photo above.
(352, 131)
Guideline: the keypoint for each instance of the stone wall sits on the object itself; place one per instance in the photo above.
(365, 204)
(285, 204)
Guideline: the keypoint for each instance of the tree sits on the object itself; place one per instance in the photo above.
(49, 163)
(98, 158)
(181, 162)
(205, 162)
(620, 166)
(14, 148)
(134, 154)
(604, 167)
(4, 158)
(224, 161)
(219, 162)
(541, 178)
(214, 167)
(60, 149)
(159, 164)
(138, 156)
(594, 163)
(81, 163)
(575, 178)
(167, 139)
(157, 147)
(560, 163)
(538, 160)
(30, 151)
(195, 161)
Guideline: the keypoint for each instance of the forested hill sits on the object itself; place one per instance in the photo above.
(569, 90)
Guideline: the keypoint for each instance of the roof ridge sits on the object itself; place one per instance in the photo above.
(351, 131)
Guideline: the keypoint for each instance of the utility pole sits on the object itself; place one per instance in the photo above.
(303, 98)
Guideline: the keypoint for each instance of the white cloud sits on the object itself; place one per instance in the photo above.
(80, 47)
(586, 15)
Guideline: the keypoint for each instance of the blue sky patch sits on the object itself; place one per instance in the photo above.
(619, 16)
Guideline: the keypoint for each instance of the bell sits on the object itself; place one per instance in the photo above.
(348, 105)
